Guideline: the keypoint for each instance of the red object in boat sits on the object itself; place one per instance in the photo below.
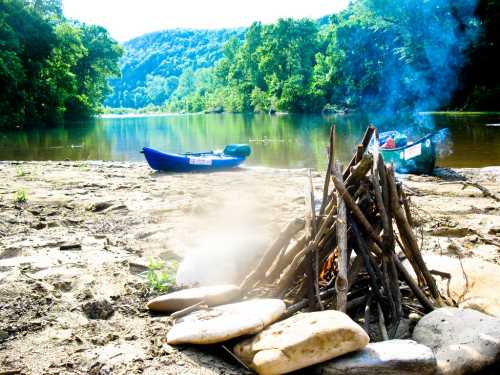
(389, 144)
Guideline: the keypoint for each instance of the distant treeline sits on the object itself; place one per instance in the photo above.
(377, 55)
(51, 68)
(157, 65)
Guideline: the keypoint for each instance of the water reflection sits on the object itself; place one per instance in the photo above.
(288, 141)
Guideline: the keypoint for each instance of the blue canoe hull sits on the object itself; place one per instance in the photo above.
(164, 161)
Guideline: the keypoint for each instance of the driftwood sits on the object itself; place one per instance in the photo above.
(361, 209)
(467, 182)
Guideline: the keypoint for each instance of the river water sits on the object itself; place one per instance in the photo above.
(284, 141)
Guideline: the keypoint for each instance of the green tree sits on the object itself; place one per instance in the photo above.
(51, 68)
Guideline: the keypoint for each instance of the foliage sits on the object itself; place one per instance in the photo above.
(50, 67)
(20, 172)
(153, 65)
(479, 87)
(21, 196)
(161, 276)
(383, 56)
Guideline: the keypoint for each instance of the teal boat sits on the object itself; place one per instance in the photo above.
(418, 157)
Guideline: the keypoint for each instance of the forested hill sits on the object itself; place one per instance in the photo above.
(153, 63)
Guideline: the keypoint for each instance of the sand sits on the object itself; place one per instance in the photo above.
(79, 247)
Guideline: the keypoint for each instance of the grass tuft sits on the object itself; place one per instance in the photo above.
(161, 275)
(21, 196)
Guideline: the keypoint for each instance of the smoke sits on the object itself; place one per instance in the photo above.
(222, 244)
(425, 45)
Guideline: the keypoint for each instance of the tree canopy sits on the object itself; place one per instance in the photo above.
(51, 68)
(153, 64)
(377, 55)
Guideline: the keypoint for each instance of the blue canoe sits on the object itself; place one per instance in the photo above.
(231, 157)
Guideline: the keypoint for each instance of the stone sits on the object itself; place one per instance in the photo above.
(393, 357)
(463, 340)
(210, 295)
(477, 289)
(225, 322)
(301, 341)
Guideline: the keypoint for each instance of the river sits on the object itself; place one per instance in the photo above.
(284, 141)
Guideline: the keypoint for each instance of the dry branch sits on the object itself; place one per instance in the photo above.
(360, 214)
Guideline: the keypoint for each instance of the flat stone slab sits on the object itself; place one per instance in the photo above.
(393, 357)
(210, 295)
(463, 341)
(225, 322)
(474, 282)
(301, 341)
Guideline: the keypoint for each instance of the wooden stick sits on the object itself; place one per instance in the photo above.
(406, 277)
(331, 156)
(267, 260)
(285, 260)
(362, 250)
(381, 323)
(235, 357)
(302, 304)
(359, 170)
(356, 211)
(364, 142)
(188, 310)
(390, 273)
(341, 282)
(409, 237)
(366, 325)
(406, 205)
(468, 182)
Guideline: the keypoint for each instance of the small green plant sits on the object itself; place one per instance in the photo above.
(84, 167)
(20, 172)
(21, 196)
(161, 275)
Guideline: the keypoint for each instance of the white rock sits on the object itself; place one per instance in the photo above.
(225, 322)
(393, 357)
(301, 341)
(477, 289)
(464, 341)
(210, 295)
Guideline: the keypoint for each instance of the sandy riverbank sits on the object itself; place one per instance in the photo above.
(87, 230)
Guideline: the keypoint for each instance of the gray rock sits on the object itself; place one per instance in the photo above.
(398, 357)
(463, 341)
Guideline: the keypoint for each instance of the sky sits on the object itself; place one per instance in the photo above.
(126, 19)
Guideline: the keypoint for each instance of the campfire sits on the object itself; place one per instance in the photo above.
(347, 258)
(341, 266)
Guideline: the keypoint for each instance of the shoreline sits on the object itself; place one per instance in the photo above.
(88, 230)
(325, 114)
